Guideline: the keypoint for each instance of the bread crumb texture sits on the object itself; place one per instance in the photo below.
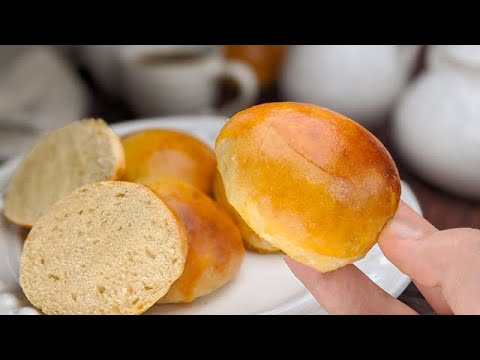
(80, 153)
(107, 248)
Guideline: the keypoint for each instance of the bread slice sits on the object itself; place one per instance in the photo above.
(107, 248)
(80, 153)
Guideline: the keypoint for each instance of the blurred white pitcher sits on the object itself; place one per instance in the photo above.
(183, 79)
(359, 81)
(437, 122)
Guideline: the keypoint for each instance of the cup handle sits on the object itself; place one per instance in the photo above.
(246, 80)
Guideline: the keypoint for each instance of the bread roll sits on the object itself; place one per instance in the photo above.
(80, 153)
(251, 240)
(107, 248)
(215, 248)
(310, 181)
(162, 152)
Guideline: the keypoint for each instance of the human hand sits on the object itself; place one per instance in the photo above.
(444, 265)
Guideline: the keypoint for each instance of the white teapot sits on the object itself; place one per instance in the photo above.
(437, 122)
(359, 81)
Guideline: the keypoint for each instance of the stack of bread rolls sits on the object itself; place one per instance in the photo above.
(119, 225)
(180, 169)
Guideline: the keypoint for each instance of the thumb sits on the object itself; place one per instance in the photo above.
(445, 265)
(407, 225)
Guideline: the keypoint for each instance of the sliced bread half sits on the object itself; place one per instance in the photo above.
(80, 153)
(107, 248)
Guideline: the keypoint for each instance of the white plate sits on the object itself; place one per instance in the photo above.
(264, 284)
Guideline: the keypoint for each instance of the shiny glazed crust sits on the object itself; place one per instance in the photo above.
(164, 152)
(215, 248)
(310, 181)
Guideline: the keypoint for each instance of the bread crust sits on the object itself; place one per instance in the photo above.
(251, 240)
(310, 181)
(172, 153)
(215, 248)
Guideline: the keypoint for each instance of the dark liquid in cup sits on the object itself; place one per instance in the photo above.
(160, 59)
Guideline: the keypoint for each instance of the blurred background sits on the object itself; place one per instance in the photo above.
(421, 101)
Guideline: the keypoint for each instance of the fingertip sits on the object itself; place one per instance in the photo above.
(302, 271)
(288, 260)
(407, 225)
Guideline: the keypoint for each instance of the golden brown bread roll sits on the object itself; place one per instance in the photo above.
(251, 240)
(215, 248)
(156, 152)
(310, 181)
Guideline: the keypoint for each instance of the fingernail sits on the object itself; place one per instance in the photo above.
(407, 224)
(403, 230)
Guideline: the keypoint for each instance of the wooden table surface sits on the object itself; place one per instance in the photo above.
(440, 208)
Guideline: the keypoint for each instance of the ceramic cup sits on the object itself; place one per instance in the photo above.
(183, 79)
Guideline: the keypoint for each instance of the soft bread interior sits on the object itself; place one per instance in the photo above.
(80, 153)
(107, 248)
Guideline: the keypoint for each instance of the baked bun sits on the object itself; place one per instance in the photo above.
(162, 152)
(215, 248)
(251, 240)
(310, 181)
(108, 248)
(80, 153)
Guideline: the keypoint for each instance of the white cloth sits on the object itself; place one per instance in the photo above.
(39, 91)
